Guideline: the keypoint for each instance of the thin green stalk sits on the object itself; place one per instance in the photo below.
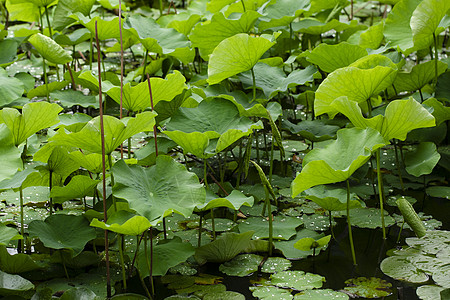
(243, 5)
(349, 224)
(50, 190)
(397, 163)
(436, 58)
(271, 161)
(331, 225)
(421, 95)
(205, 179)
(122, 262)
(121, 75)
(129, 147)
(112, 180)
(22, 227)
(269, 215)
(380, 191)
(48, 22)
(144, 66)
(254, 84)
(64, 265)
(213, 224)
(199, 241)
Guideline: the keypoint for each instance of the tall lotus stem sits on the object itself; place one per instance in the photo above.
(269, 215)
(380, 192)
(349, 224)
(435, 59)
(122, 263)
(254, 84)
(22, 227)
(121, 72)
(102, 133)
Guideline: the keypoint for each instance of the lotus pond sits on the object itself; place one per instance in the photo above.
(222, 149)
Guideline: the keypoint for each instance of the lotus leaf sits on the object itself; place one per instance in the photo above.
(307, 244)
(282, 13)
(73, 122)
(159, 190)
(69, 98)
(229, 295)
(65, 8)
(401, 269)
(91, 162)
(237, 54)
(233, 201)
(317, 222)
(422, 160)
(275, 264)
(116, 131)
(439, 191)
(41, 90)
(49, 49)
(17, 263)
(63, 232)
(368, 287)
(79, 293)
(369, 218)
(297, 280)
(322, 294)
(10, 89)
(123, 222)
(371, 38)
(10, 156)
(429, 292)
(13, 284)
(338, 160)
(242, 265)
(419, 76)
(269, 292)
(78, 187)
(331, 199)
(315, 130)
(107, 28)
(283, 227)
(8, 234)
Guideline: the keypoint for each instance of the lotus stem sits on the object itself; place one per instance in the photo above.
(243, 5)
(122, 263)
(271, 161)
(50, 190)
(121, 74)
(112, 181)
(269, 215)
(397, 162)
(164, 228)
(144, 66)
(74, 87)
(254, 84)
(147, 260)
(102, 134)
(22, 227)
(199, 242)
(64, 264)
(331, 225)
(213, 224)
(380, 192)
(349, 224)
(205, 179)
(151, 103)
(436, 58)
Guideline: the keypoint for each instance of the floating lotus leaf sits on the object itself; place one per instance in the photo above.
(200, 290)
(269, 292)
(208, 35)
(425, 21)
(13, 284)
(49, 49)
(422, 160)
(273, 80)
(338, 160)
(429, 292)
(288, 249)
(63, 232)
(369, 218)
(317, 222)
(275, 264)
(203, 129)
(237, 54)
(224, 248)
(69, 98)
(229, 295)
(400, 268)
(283, 227)
(35, 116)
(331, 199)
(322, 294)
(439, 191)
(241, 265)
(79, 293)
(368, 287)
(10, 89)
(297, 280)
(166, 254)
(8, 234)
(233, 201)
(158, 191)
(129, 296)
(116, 131)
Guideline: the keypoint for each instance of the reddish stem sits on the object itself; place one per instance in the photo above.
(151, 103)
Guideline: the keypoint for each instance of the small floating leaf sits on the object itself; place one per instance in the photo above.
(270, 292)
(368, 287)
(241, 265)
(320, 295)
(297, 280)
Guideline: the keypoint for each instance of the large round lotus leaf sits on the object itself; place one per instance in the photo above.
(429, 292)
(78, 187)
(123, 222)
(332, 57)
(317, 222)
(338, 160)
(316, 27)
(196, 128)
(441, 276)
(275, 264)
(297, 280)
(17, 263)
(320, 295)
(237, 54)
(116, 131)
(220, 224)
(439, 191)
(233, 201)
(419, 76)
(158, 191)
(63, 232)
(368, 287)
(400, 268)
(283, 227)
(315, 130)
(78, 293)
(282, 13)
(166, 254)
(206, 36)
(41, 3)
(270, 292)
(331, 199)
(229, 295)
(35, 116)
(91, 162)
(13, 284)
(8, 234)
(49, 49)
(425, 21)
(69, 98)
(224, 248)
(10, 89)
(273, 80)
(423, 160)
(288, 249)
(241, 265)
(369, 218)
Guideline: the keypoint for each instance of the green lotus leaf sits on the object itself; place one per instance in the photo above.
(273, 80)
(159, 190)
(229, 295)
(8, 52)
(282, 13)
(49, 49)
(440, 112)
(10, 155)
(297, 280)
(116, 131)
(442, 88)
(283, 227)
(23, 11)
(313, 130)
(41, 90)
(91, 162)
(439, 191)
(419, 76)
(42, 3)
(69, 98)
(368, 287)
(332, 57)
(159, 40)
(429, 292)
(137, 98)
(203, 132)
(129, 296)
(233, 201)
(35, 116)
(401, 116)
(182, 22)
(65, 8)
(371, 38)
(425, 21)
(76, 293)
(307, 244)
(316, 27)
(242, 265)
(63, 232)
(237, 54)
(13, 284)
(57, 160)
(73, 122)
(400, 268)
(338, 160)
(123, 222)
(322, 294)
(17, 263)
(269, 292)
(365, 217)
(355, 83)
(166, 254)
(331, 199)
(107, 28)
(78, 187)
(146, 155)
(8, 234)
(397, 27)
(206, 36)
(224, 248)
(422, 160)
(74, 38)
(275, 264)
(10, 89)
